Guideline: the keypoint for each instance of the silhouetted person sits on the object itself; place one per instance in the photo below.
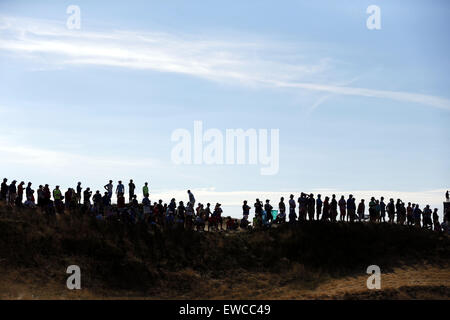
(292, 214)
(268, 208)
(191, 198)
(28, 191)
(4, 190)
(382, 210)
(417, 216)
(342, 208)
(145, 190)
(282, 208)
(87, 197)
(361, 210)
(131, 188)
(391, 210)
(427, 223)
(318, 206)
(436, 224)
(79, 189)
(97, 199)
(351, 208)
(326, 209)
(281, 218)
(12, 193)
(302, 207)
(20, 189)
(258, 208)
(245, 209)
(311, 207)
(109, 188)
(120, 189)
(333, 208)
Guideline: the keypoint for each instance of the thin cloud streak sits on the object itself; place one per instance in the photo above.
(248, 63)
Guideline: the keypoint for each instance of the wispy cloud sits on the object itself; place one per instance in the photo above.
(55, 161)
(254, 63)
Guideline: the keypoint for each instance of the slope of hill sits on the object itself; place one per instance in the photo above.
(306, 261)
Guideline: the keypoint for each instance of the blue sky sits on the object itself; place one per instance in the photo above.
(357, 109)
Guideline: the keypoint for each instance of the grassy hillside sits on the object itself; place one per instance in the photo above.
(137, 261)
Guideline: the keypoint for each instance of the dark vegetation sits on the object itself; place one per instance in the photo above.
(115, 256)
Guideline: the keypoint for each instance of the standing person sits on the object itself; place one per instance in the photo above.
(131, 188)
(281, 217)
(372, 211)
(351, 208)
(218, 213)
(292, 214)
(20, 189)
(282, 209)
(302, 201)
(97, 199)
(57, 196)
(191, 198)
(382, 210)
(436, 224)
(409, 214)
(398, 207)
(318, 207)
(189, 213)
(326, 209)
(311, 207)
(391, 210)
(427, 223)
(377, 211)
(402, 213)
(47, 195)
(245, 209)
(333, 208)
(109, 188)
(120, 189)
(87, 197)
(30, 201)
(417, 216)
(105, 202)
(447, 196)
(268, 208)
(12, 193)
(361, 209)
(4, 189)
(146, 207)
(28, 191)
(40, 195)
(258, 208)
(79, 189)
(145, 191)
(181, 210)
(68, 198)
(207, 211)
(342, 208)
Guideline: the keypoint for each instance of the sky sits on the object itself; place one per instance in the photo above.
(357, 110)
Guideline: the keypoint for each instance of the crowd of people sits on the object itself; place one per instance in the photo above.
(379, 210)
(200, 217)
